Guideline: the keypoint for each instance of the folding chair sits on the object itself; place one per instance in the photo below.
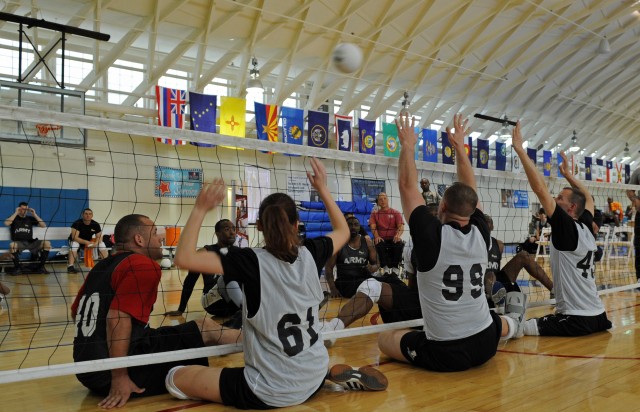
(621, 241)
(543, 244)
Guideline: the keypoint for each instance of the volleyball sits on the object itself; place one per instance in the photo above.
(165, 263)
(347, 57)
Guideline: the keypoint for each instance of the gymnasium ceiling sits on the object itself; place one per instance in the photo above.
(535, 60)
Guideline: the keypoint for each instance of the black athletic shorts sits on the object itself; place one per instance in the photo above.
(348, 286)
(572, 325)
(454, 355)
(406, 304)
(151, 377)
(235, 391)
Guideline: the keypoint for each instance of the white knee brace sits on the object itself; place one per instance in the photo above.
(371, 288)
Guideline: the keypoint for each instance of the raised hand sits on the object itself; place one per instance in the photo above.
(456, 138)
(406, 130)
(516, 139)
(564, 166)
(319, 177)
(211, 195)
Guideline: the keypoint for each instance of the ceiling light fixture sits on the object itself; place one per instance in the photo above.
(405, 104)
(505, 133)
(574, 143)
(604, 46)
(254, 84)
(626, 149)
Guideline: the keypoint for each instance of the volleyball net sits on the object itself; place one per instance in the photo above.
(127, 167)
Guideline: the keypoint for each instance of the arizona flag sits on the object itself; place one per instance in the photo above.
(232, 121)
(266, 121)
(468, 149)
(171, 108)
(344, 139)
(367, 129)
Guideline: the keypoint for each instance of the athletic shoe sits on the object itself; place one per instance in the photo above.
(326, 326)
(71, 269)
(364, 379)
(211, 297)
(498, 292)
(515, 308)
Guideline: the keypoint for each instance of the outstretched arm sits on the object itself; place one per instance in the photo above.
(536, 181)
(340, 233)
(187, 257)
(407, 173)
(456, 138)
(575, 183)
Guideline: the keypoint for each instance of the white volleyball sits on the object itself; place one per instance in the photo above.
(347, 57)
(165, 263)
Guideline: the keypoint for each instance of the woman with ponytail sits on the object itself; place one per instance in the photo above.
(286, 361)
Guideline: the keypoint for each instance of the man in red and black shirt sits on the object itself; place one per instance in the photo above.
(112, 310)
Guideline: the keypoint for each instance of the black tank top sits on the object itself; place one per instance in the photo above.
(495, 256)
(352, 263)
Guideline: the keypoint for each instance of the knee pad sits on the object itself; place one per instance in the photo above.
(233, 293)
(371, 288)
(171, 387)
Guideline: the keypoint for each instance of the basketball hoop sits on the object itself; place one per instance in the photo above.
(43, 132)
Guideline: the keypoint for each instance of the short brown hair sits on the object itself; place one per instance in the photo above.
(461, 199)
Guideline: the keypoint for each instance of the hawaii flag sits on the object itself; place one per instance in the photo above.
(344, 139)
(266, 122)
(390, 140)
(171, 108)
(367, 129)
(232, 121)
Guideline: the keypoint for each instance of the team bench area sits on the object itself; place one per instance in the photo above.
(58, 236)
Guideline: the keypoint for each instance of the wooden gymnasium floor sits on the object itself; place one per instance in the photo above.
(599, 372)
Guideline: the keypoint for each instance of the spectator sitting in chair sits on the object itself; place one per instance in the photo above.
(21, 229)
(86, 233)
(530, 245)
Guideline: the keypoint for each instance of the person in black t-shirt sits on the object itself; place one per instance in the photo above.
(85, 233)
(21, 224)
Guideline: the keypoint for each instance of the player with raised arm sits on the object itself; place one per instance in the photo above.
(451, 253)
(579, 310)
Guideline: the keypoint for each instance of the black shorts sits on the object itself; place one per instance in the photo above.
(151, 377)
(454, 355)
(509, 286)
(235, 391)
(348, 286)
(406, 304)
(572, 325)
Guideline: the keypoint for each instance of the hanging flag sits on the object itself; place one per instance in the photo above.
(430, 145)
(171, 106)
(292, 125)
(468, 149)
(598, 170)
(390, 140)
(367, 130)
(608, 173)
(559, 159)
(546, 162)
(232, 116)
(588, 168)
(533, 154)
(203, 114)
(627, 173)
(482, 155)
(318, 129)
(516, 164)
(344, 135)
(448, 154)
(501, 156)
(575, 167)
(618, 172)
(266, 121)
(173, 142)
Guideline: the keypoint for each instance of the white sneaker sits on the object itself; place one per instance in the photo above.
(328, 326)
